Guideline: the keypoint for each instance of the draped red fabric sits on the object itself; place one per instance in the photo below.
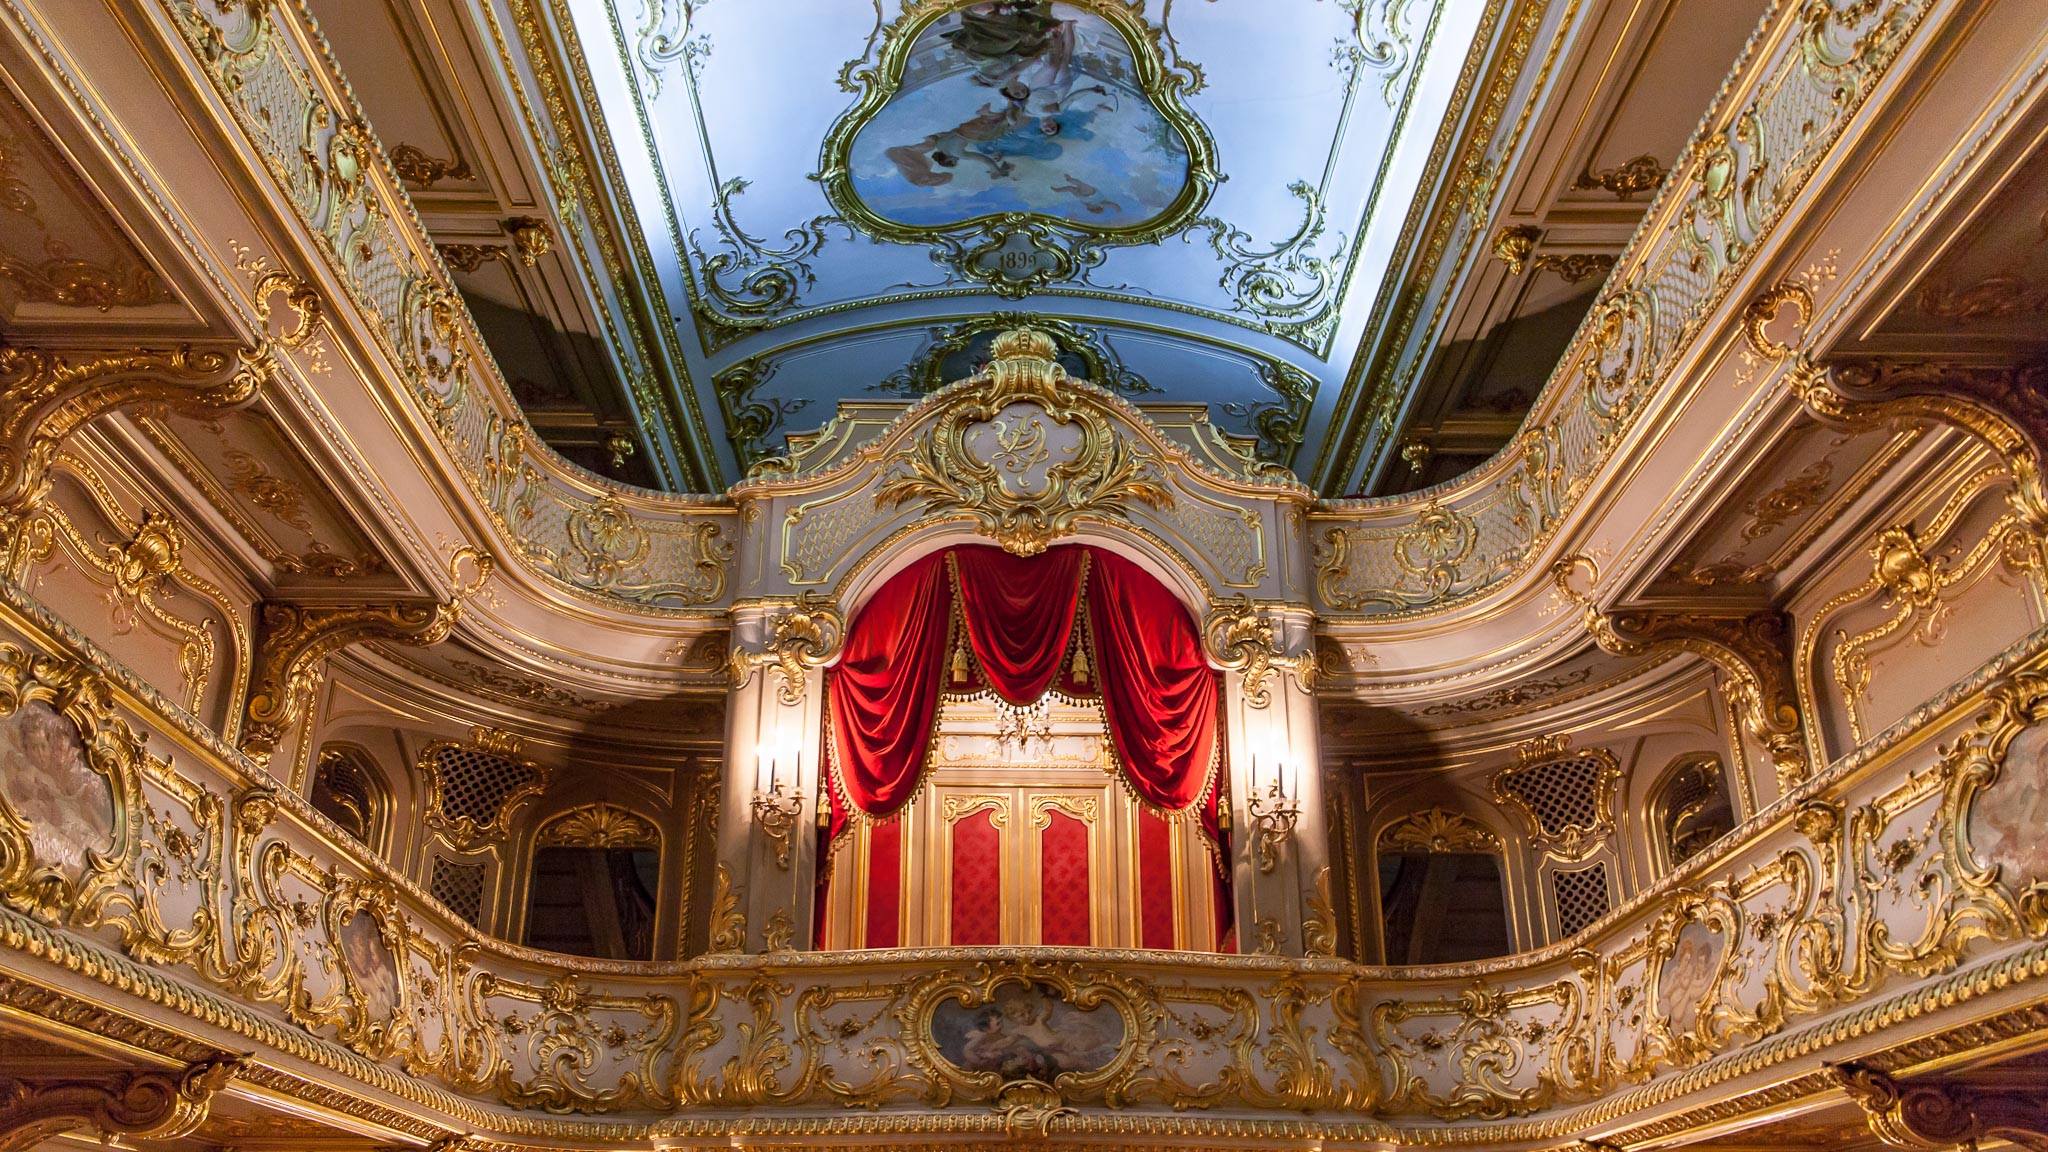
(1020, 615)
(1159, 694)
(884, 695)
(1160, 699)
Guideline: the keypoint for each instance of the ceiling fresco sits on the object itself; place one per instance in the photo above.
(839, 196)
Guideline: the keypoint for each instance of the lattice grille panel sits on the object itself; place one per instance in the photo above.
(1581, 896)
(460, 886)
(1561, 793)
(1689, 786)
(475, 783)
(342, 793)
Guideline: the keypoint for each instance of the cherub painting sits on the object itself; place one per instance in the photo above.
(45, 777)
(1687, 976)
(1019, 106)
(369, 962)
(1026, 1033)
(2006, 818)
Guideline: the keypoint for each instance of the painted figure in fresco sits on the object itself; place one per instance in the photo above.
(928, 162)
(1687, 975)
(45, 777)
(1025, 1032)
(2006, 819)
(370, 963)
(1011, 106)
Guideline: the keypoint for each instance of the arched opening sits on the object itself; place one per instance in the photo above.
(1022, 750)
(349, 790)
(1441, 892)
(591, 891)
(1690, 808)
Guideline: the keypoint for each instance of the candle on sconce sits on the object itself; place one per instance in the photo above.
(764, 773)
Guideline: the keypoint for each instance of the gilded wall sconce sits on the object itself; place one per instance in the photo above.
(1273, 814)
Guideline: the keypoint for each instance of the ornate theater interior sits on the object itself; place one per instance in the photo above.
(1090, 574)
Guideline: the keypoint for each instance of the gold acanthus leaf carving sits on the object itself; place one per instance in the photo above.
(598, 826)
(134, 1106)
(801, 637)
(292, 640)
(728, 923)
(45, 396)
(416, 167)
(1625, 180)
(1437, 830)
(1024, 454)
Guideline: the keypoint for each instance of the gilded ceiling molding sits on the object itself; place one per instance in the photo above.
(1945, 1111)
(1753, 650)
(133, 1106)
(2004, 407)
(46, 395)
(292, 640)
(1007, 479)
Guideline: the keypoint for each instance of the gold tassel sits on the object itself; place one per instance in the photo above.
(1080, 664)
(960, 665)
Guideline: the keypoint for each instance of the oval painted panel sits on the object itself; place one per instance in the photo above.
(1026, 1032)
(47, 781)
(1019, 107)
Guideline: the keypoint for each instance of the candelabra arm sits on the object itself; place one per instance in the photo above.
(775, 814)
(1273, 820)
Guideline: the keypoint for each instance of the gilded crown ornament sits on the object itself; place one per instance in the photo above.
(1024, 451)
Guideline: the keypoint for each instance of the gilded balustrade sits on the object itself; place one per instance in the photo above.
(1899, 881)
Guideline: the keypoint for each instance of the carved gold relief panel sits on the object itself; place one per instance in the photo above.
(1941, 592)
(257, 480)
(129, 582)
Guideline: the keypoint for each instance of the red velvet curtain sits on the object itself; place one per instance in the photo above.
(1159, 695)
(1160, 699)
(1020, 615)
(884, 695)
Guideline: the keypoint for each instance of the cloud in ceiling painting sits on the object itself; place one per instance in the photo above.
(1019, 107)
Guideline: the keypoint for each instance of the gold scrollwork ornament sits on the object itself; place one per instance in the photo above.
(1242, 639)
(1027, 452)
(804, 636)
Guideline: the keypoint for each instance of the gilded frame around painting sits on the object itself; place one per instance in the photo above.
(1061, 248)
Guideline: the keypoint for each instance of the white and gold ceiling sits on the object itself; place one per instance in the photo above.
(835, 196)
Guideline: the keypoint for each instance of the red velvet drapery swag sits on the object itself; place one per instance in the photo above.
(975, 618)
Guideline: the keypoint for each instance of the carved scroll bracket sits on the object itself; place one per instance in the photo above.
(2005, 407)
(46, 396)
(141, 1105)
(804, 636)
(1243, 639)
(1752, 650)
(1927, 1114)
(292, 640)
